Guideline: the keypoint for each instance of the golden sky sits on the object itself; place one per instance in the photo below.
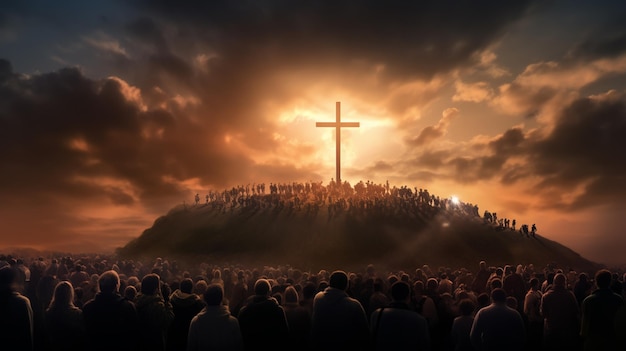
(112, 113)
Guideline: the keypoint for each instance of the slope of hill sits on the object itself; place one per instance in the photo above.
(346, 240)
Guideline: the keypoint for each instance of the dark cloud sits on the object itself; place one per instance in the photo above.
(575, 166)
(608, 39)
(585, 147)
(411, 38)
(60, 127)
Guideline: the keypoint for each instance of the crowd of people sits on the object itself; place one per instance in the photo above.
(109, 303)
(363, 199)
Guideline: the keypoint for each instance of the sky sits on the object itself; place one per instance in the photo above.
(114, 112)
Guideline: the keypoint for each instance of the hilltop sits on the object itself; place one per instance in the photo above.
(323, 237)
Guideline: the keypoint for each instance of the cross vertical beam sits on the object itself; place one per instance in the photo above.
(338, 125)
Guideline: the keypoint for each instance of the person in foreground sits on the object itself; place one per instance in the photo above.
(214, 328)
(16, 324)
(598, 315)
(396, 326)
(110, 318)
(338, 321)
(497, 326)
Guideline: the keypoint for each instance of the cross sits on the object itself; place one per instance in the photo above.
(337, 125)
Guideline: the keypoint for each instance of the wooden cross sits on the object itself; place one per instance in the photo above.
(337, 125)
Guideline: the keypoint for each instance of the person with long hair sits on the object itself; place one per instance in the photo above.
(65, 329)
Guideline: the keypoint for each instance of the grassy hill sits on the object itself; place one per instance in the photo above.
(308, 240)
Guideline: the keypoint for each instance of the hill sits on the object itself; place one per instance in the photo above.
(323, 238)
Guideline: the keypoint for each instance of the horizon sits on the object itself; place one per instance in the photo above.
(112, 113)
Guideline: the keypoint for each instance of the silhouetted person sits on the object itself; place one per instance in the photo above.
(462, 326)
(185, 305)
(561, 317)
(497, 326)
(396, 326)
(16, 314)
(513, 284)
(65, 328)
(110, 320)
(262, 318)
(298, 319)
(338, 321)
(424, 305)
(378, 298)
(154, 313)
(214, 328)
(532, 312)
(598, 315)
(479, 284)
(582, 288)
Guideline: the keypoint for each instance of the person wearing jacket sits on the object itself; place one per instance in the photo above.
(396, 326)
(214, 328)
(262, 318)
(338, 320)
(155, 314)
(110, 319)
(186, 305)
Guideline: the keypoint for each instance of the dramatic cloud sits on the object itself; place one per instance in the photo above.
(118, 111)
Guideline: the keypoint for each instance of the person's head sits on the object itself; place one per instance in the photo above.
(200, 287)
(418, 288)
(309, 290)
(400, 291)
(432, 284)
(8, 277)
(291, 295)
(482, 265)
(482, 299)
(150, 284)
(466, 307)
(338, 280)
(559, 280)
(186, 285)
(63, 295)
(511, 301)
(498, 295)
(214, 295)
(109, 282)
(603, 278)
(130, 292)
(262, 287)
(534, 283)
(495, 283)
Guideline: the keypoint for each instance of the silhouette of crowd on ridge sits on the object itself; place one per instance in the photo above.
(107, 303)
(364, 199)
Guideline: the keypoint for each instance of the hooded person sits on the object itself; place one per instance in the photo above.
(185, 305)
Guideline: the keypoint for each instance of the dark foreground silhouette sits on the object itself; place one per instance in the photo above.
(99, 302)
